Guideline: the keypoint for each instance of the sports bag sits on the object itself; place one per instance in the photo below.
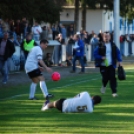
(121, 73)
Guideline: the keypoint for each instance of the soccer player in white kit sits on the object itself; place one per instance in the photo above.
(34, 66)
(80, 103)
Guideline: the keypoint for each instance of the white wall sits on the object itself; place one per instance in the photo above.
(63, 15)
(96, 19)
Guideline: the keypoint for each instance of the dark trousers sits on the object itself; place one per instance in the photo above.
(81, 59)
(108, 74)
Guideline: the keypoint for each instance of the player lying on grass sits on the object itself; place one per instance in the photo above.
(80, 103)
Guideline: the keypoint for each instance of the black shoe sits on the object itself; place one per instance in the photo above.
(72, 71)
(49, 96)
(34, 98)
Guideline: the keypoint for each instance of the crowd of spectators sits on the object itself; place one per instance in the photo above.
(22, 33)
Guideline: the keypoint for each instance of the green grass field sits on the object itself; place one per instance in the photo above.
(114, 115)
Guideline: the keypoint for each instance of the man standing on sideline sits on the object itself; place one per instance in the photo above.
(36, 30)
(81, 103)
(78, 54)
(107, 54)
(6, 51)
(34, 67)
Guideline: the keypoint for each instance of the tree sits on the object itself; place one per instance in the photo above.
(46, 10)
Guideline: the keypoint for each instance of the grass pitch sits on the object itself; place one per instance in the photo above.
(114, 115)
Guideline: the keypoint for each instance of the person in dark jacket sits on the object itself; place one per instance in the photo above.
(69, 46)
(108, 53)
(78, 54)
(6, 51)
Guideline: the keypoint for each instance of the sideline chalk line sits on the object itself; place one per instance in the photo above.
(67, 85)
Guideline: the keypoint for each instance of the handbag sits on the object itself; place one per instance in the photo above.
(121, 73)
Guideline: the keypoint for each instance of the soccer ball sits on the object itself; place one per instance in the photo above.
(55, 76)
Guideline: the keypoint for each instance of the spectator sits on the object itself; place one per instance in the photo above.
(1, 29)
(48, 60)
(70, 30)
(27, 29)
(22, 26)
(107, 53)
(54, 31)
(11, 25)
(18, 27)
(61, 41)
(78, 54)
(6, 26)
(6, 51)
(94, 43)
(69, 50)
(44, 34)
(122, 39)
(49, 33)
(27, 45)
(64, 33)
(100, 36)
(36, 31)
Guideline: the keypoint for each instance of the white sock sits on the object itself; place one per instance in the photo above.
(32, 90)
(43, 88)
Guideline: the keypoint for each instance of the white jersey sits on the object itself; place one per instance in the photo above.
(81, 103)
(36, 30)
(32, 60)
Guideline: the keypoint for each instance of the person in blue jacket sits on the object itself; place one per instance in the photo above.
(78, 54)
(106, 56)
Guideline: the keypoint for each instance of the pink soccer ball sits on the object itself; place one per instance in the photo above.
(55, 76)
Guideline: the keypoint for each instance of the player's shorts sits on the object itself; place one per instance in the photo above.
(34, 73)
(59, 103)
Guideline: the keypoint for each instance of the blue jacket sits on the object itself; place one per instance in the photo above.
(116, 55)
(79, 50)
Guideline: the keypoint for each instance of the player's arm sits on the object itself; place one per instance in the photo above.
(81, 94)
(43, 65)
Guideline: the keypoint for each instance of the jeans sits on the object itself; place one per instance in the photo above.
(130, 48)
(92, 53)
(122, 48)
(36, 37)
(4, 69)
(81, 59)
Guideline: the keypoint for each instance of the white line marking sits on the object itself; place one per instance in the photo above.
(68, 85)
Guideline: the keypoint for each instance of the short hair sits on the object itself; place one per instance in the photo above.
(96, 99)
(43, 41)
(107, 32)
(78, 36)
(5, 33)
(29, 34)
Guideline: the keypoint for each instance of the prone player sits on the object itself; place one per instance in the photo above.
(80, 103)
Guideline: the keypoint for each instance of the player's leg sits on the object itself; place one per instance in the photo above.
(33, 88)
(44, 87)
(34, 77)
(56, 104)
